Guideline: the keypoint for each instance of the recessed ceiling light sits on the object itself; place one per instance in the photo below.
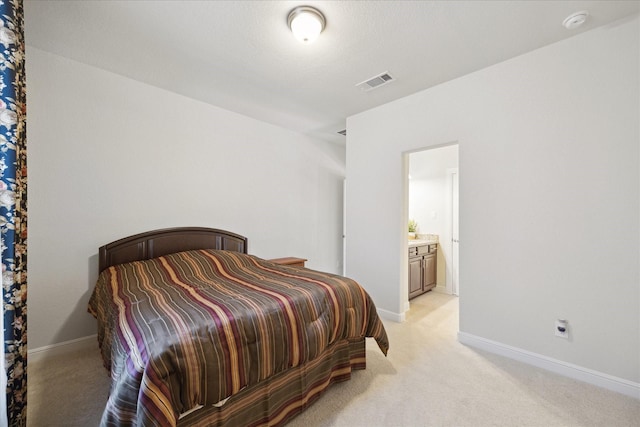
(575, 20)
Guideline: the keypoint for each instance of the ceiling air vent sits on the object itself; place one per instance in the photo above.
(375, 82)
(343, 132)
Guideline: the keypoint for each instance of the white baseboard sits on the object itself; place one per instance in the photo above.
(64, 347)
(570, 370)
(389, 315)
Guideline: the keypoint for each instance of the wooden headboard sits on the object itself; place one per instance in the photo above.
(157, 243)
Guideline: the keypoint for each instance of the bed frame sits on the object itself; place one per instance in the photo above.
(273, 401)
(166, 241)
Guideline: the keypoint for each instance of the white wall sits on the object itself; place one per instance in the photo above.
(549, 197)
(110, 157)
(428, 186)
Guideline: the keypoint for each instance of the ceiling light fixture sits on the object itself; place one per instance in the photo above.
(575, 20)
(306, 23)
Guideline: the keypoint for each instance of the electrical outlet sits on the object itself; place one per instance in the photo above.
(562, 328)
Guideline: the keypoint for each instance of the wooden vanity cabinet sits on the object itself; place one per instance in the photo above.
(415, 277)
(422, 269)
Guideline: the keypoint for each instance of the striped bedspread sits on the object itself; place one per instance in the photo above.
(196, 327)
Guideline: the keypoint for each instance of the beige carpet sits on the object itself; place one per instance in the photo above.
(429, 379)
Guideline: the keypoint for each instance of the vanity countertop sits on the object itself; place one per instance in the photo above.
(420, 242)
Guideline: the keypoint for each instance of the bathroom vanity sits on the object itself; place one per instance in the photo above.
(422, 267)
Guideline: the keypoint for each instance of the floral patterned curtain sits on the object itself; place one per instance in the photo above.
(13, 207)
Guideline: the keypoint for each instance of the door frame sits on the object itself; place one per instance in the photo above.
(451, 267)
(445, 242)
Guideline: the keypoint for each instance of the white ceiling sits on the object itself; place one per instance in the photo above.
(240, 55)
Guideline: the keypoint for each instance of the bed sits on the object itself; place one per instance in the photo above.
(196, 332)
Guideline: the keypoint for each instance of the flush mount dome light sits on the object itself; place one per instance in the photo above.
(575, 20)
(306, 23)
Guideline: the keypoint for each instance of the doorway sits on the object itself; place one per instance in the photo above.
(433, 204)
